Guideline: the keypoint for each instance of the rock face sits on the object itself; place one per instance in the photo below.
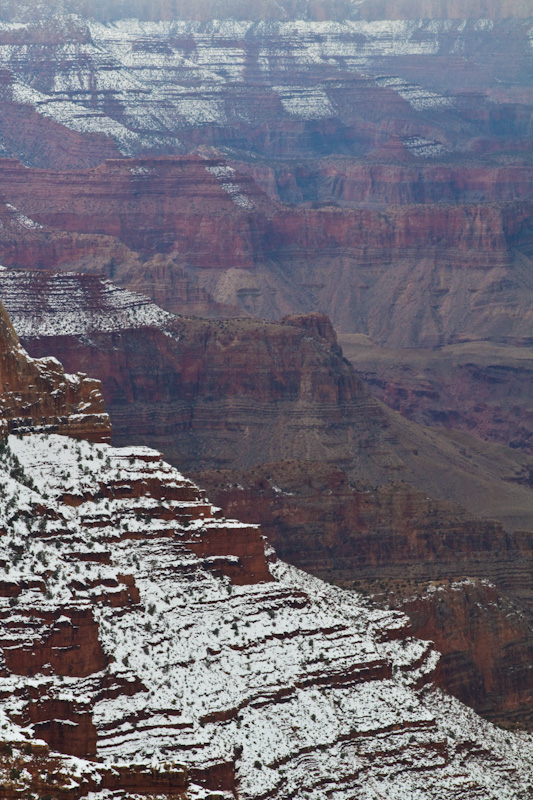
(197, 235)
(239, 393)
(479, 387)
(408, 552)
(37, 394)
(165, 679)
(394, 152)
(306, 81)
(221, 397)
(485, 641)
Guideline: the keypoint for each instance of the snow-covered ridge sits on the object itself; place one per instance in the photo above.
(62, 304)
(296, 684)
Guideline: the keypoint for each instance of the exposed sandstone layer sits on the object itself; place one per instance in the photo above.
(38, 394)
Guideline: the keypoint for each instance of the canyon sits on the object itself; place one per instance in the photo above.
(152, 647)
(292, 243)
(375, 169)
(279, 429)
(200, 237)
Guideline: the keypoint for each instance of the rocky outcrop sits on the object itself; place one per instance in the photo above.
(319, 520)
(38, 394)
(405, 550)
(183, 695)
(224, 394)
(195, 234)
(351, 182)
(485, 640)
(235, 394)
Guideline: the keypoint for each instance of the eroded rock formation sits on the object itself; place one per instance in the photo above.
(176, 688)
(482, 388)
(38, 394)
(224, 394)
(196, 235)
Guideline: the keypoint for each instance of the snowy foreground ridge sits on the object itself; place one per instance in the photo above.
(282, 688)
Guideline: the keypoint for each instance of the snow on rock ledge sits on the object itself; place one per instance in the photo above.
(260, 680)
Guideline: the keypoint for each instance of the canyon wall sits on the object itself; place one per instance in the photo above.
(478, 387)
(137, 625)
(196, 234)
(237, 402)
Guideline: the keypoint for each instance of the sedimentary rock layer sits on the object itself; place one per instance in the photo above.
(478, 387)
(196, 234)
(260, 680)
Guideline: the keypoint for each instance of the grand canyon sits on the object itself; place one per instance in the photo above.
(266, 331)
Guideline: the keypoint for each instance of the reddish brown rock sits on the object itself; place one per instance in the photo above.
(236, 551)
(181, 236)
(485, 640)
(387, 542)
(481, 388)
(38, 394)
(69, 644)
(64, 728)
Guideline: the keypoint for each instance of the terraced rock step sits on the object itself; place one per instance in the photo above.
(157, 638)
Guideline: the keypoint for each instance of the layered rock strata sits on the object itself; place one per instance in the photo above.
(479, 387)
(408, 552)
(222, 394)
(485, 641)
(197, 235)
(239, 393)
(273, 685)
(296, 83)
